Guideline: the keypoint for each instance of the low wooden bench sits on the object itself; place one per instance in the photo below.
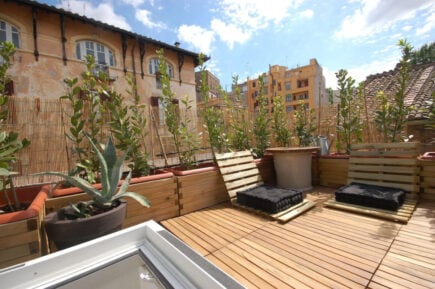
(392, 165)
(239, 172)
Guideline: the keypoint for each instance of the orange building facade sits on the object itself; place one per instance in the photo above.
(304, 84)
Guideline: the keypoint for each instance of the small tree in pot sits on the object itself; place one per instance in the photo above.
(104, 214)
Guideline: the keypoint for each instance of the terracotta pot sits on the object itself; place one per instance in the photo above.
(66, 233)
(201, 168)
(33, 195)
(158, 174)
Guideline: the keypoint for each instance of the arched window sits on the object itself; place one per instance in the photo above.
(154, 67)
(9, 33)
(102, 54)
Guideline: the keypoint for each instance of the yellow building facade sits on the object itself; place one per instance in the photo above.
(304, 84)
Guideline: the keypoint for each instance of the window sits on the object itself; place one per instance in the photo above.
(9, 33)
(265, 90)
(154, 67)
(302, 83)
(303, 96)
(287, 74)
(287, 85)
(102, 54)
(288, 98)
(289, 108)
(158, 110)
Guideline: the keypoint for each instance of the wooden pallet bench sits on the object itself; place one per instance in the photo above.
(392, 165)
(239, 172)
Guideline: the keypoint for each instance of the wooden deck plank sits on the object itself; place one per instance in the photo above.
(229, 268)
(302, 266)
(323, 248)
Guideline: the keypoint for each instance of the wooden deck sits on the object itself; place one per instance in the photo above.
(323, 248)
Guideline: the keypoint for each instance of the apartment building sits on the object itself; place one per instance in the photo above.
(304, 84)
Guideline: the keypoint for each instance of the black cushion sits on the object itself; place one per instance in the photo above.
(371, 196)
(269, 199)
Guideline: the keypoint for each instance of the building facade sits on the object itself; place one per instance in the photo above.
(304, 84)
(52, 45)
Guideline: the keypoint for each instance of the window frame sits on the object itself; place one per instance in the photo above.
(98, 49)
(153, 67)
(9, 31)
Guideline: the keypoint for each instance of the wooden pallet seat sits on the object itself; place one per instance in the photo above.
(385, 168)
(247, 190)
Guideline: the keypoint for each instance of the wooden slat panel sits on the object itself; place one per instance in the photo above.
(237, 167)
(241, 174)
(384, 161)
(235, 161)
(243, 182)
(383, 177)
(233, 155)
(385, 168)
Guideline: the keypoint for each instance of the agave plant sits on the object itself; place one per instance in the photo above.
(111, 172)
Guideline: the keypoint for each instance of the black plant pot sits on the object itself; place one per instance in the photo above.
(66, 233)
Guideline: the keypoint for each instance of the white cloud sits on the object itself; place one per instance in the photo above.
(229, 33)
(134, 3)
(197, 36)
(103, 12)
(360, 72)
(376, 16)
(144, 16)
(307, 14)
(430, 22)
(240, 19)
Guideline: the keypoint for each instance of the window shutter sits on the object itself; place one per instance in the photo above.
(9, 88)
(154, 101)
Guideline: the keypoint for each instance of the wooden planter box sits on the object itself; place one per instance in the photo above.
(21, 236)
(160, 189)
(200, 188)
(427, 176)
(333, 170)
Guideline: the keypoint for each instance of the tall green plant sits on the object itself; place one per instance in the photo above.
(184, 139)
(128, 125)
(10, 144)
(305, 124)
(280, 124)
(390, 118)
(261, 127)
(87, 115)
(213, 117)
(239, 125)
(350, 122)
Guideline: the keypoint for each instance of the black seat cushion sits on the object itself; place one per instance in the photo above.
(269, 199)
(371, 196)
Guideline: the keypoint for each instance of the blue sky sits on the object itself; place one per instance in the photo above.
(244, 36)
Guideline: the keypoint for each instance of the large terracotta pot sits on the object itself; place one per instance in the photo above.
(66, 233)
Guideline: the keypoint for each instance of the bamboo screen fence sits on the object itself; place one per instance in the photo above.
(44, 122)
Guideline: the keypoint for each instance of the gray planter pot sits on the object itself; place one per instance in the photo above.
(66, 233)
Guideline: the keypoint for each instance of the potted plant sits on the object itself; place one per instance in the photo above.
(97, 109)
(106, 211)
(21, 208)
